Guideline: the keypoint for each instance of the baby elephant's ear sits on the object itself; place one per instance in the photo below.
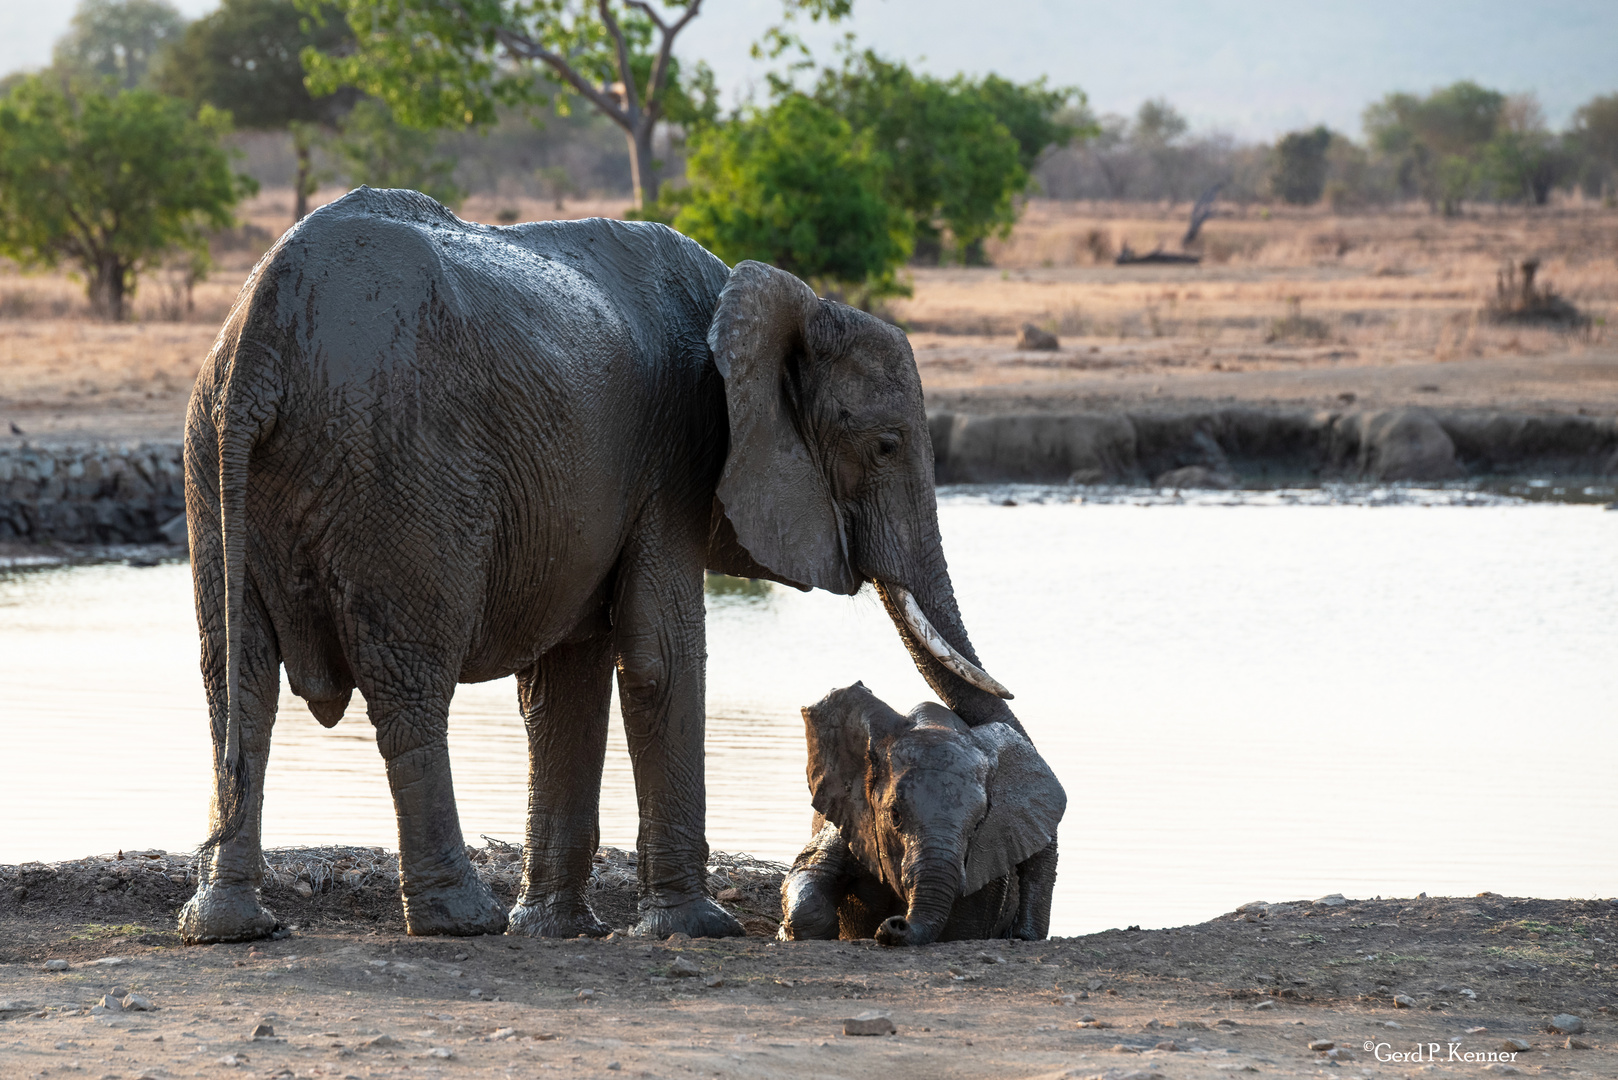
(1026, 802)
(839, 729)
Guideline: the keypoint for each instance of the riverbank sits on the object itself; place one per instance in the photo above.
(1283, 989)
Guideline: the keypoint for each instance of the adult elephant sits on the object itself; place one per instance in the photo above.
(424, 452)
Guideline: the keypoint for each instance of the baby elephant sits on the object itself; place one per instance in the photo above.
(933, 830)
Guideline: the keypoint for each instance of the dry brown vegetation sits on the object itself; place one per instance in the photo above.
(1287, 305)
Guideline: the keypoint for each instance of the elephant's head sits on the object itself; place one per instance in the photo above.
(828, 482)
(934, 808)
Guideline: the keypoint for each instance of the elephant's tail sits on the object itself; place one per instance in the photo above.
(238, 429)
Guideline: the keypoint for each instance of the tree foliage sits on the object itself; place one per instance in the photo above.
(1594, 134)
(1437, 140)
(795, 186)
(110, 182)
(439, 63)
(959, 151)
(120, 40)
(245, 57)
(1299, 174)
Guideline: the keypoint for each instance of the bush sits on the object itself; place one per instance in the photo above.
(1299, 173)
(793, 186)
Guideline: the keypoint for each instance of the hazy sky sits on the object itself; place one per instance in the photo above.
(1249, 67)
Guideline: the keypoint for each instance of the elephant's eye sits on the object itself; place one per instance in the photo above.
(887, 445)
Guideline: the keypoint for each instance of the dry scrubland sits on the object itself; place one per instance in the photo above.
(1475, 987)
(1292, 307)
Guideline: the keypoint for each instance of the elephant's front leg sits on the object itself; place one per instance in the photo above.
(441, 891)
(226, 906)
(565, 698)
(662, 649)
(1036, 882)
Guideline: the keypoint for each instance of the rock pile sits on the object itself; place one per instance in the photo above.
(92, 494)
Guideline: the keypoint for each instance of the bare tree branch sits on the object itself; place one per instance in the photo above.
(660, 66)
(525, 47)
(625, 72)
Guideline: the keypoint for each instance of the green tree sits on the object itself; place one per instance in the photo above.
(1438, 140)
(246, 57)
(117, 39)
(1524, 160)
(110, 183)
(795, 186)
(1157, 131)
(441, 63)
(1595, 136)
(373, 148)
(954, 163)
(1298, 175)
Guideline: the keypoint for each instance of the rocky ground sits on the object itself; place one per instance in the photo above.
(93, 982)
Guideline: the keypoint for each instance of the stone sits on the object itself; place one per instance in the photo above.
(262, 1031)
(1189, 1025)
(1567, 1024)
(1502, 1068)
(303, 889)
(56, 965)
(1514, 1045)
(1253, 907)
(1392, 1024)
(678, 938)
(1576, 1044)
(1032, 338)
(729, 895)
(1322, 1045)
(1333, 900)
(1265, 1004)
(585, 995)
(1227, 1023)
(714, 982)
(381, 1042)
(1169, 1045)
(443, 1053)
(1403, 1001)
(20, 893)
(1195, 477)
(111, 1004)
(136, 1003)
(869, 1023)
(1477, 1031)
(174, 530)
(1340, 1053)
(230, 1060)
(684, 969)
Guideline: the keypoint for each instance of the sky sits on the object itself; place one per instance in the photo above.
(1249, 68)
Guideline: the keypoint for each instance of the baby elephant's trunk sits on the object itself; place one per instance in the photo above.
(932, 889)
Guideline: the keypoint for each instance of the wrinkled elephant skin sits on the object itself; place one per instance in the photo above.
(424, 452)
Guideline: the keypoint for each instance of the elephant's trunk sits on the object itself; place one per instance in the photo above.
(932, 592)
(932, 886)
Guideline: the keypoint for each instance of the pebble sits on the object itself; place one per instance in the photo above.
(1567, 1024)
(381, 1041)
(613, 1066)
(136, 1003)
(231, 1060)
(109, 1003)
(1403, 1001)
(262, 1031)
(303, 889)
(56, 965)
(1333, 900)
(1228, 1023)
(442, 1052)
(714, 982)
(1322, 1045)
(1477, 1031)
(585, 995)
(1169, 1045)
(1502, 1068)
(1576, 1044)
(869, 1023)
(1265, 1004)
(677, 938)
(1518, 1045)
(1341, 1053)
(684, 969)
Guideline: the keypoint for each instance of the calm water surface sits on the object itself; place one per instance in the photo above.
(1244, 701)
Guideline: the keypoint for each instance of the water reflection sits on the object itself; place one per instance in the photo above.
(718, 586)
(1243, 701)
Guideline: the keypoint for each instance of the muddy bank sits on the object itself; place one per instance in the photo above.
(94, 982)
(1238, 445)
(92, 494)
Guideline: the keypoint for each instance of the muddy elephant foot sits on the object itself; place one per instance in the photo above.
(222, 913)
(555, 918)
(462, 910)
(698, 918)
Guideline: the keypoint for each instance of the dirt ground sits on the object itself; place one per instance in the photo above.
(1287, 308)
(1261, 990)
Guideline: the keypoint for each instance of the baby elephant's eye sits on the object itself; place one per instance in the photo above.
(887, 445)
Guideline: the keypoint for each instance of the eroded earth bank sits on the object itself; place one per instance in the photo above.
(93, 982)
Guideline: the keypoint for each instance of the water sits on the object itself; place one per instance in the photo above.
(1247, 697)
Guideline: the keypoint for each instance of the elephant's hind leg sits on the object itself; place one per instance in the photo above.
(565, 698)
(442, 893)
(226, 906)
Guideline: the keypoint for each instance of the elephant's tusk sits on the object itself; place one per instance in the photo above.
(931, 640)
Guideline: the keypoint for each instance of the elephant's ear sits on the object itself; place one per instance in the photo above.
(839, 729)
(1026, 803)
(773, 496)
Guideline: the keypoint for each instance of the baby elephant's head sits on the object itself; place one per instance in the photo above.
(934, 808)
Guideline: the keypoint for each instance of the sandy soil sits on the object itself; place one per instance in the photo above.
(1288, 308)
(348, 995)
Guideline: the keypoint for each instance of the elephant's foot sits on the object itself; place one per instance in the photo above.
(555, 918)
(219, 913)
(698, 918)
(462, 910)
